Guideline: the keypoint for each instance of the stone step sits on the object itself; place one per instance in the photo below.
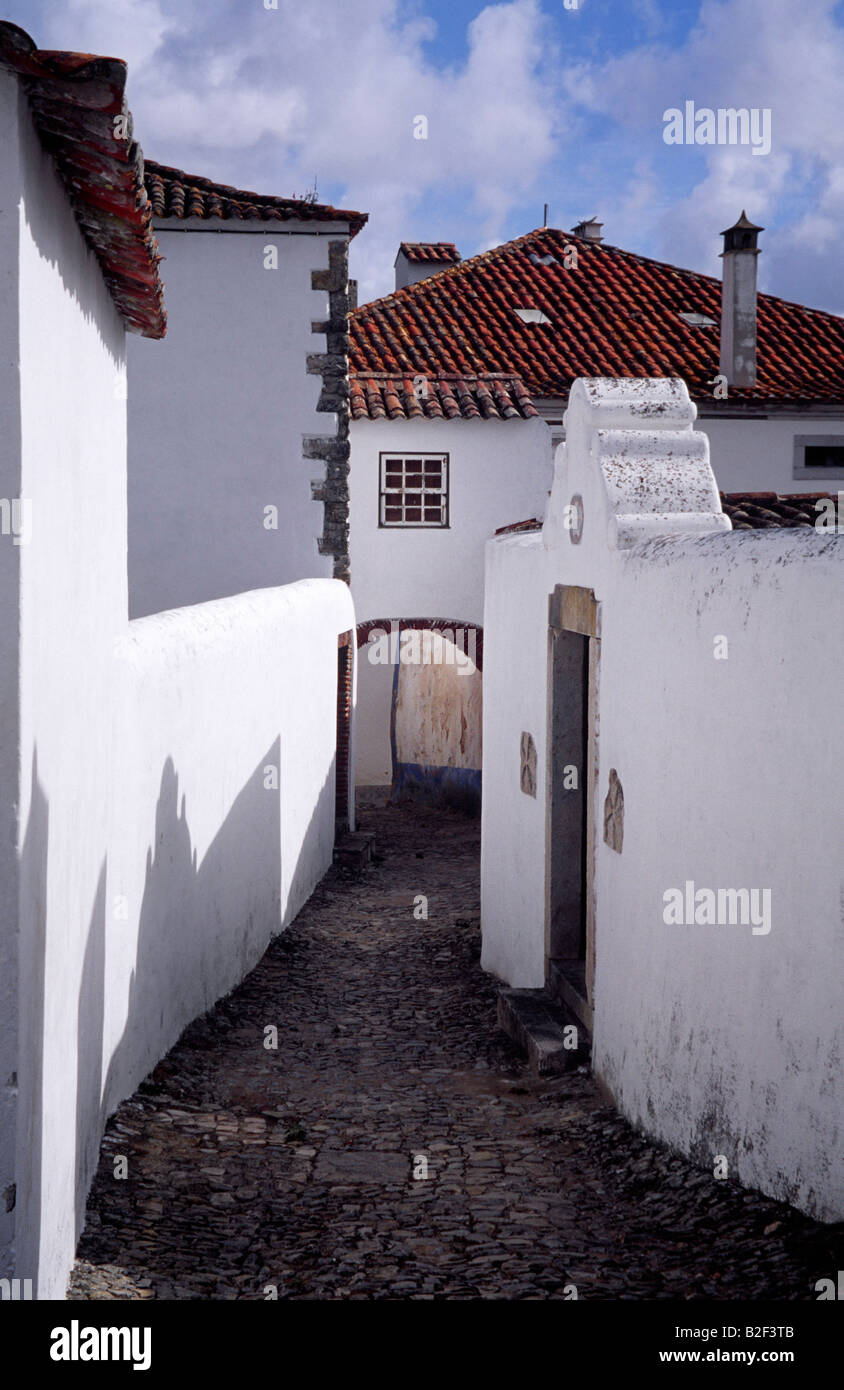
(553, 1040)
(354, 849)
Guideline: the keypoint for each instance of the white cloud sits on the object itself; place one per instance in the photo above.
(267, 98)
(780, 55)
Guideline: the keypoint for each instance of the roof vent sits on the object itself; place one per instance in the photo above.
(589, 229)
(532, 316)
(696, 320)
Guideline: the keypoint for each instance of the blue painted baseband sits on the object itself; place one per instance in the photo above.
(459, 787)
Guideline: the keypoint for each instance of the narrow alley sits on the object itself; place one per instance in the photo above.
(394, 1144)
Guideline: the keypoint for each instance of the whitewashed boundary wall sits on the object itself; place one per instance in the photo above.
(224, 804)
(718, 659)
(146, 856)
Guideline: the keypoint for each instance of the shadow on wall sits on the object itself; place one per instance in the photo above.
(32, 952)
(202, 928)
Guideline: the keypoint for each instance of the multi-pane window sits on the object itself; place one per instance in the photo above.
(413, 490)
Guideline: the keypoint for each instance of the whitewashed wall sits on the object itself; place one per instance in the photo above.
(513, 823)
(500, 473)
(758, 455)
(225, 733)
(147, 857)
(719, 1041)
(72, 603)
(10, 488)
(217, 412)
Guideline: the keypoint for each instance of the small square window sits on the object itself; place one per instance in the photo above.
(819, 456)
(413, 491)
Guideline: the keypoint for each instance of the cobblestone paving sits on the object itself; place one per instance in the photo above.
(294, 1168)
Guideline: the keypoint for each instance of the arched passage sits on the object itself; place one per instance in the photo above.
(419, 709)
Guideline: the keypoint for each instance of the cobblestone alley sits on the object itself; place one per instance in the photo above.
(301, 1169)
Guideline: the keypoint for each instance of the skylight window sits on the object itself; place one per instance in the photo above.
(696, 320)
(532, 316)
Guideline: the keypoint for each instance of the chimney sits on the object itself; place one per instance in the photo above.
(588, 230)
(417, 260)
(738, 303)
(353, 295)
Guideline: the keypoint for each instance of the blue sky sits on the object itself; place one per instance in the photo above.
(527, 102)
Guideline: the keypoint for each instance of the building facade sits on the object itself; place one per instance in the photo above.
(639, 859)
(506, 333)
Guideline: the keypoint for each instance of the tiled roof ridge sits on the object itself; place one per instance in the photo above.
(169, 174)
(75, 99)
(410, 248)
(620, 315)
(761, 511)
(747, 511)
(435, 376)
(392, 396)
(470, 263)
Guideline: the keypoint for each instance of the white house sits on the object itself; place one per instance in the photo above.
(238, 422)
(650, 781)
(167, 785)
(459, 381)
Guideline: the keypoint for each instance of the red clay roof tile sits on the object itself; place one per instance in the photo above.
(174, 193)
(378, 396)
(421, 252)
(757, 511)
(616, 314)
(748, 511)
(74, 98)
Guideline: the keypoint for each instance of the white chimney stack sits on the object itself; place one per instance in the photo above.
(418, 260)
(738, 303)
(589, 229)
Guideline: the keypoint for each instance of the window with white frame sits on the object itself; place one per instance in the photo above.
(413, 490)
(819, 456)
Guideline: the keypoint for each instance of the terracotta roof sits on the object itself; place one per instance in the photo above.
(534, 524)
(756, 511)
(174, 193)
(74, 98)
(420, 252)
(617, 314)
(748, 511)
(376, 396)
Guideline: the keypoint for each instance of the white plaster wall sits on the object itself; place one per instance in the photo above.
(500, 472)
(217, 412)
(211, 855)
(758, 455)
(715, 1040)
(72, 603)
(719, 1041)
(373, 758)
(10, 487)
(513, 823)
(153, 863)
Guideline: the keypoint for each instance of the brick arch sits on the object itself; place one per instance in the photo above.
(423, 624)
